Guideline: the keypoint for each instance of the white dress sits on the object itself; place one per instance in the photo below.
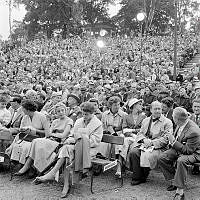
(20, 149)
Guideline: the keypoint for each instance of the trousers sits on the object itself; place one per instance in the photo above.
(175, 166)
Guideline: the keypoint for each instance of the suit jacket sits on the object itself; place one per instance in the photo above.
(188, 142)
(169, 116)
(16, 119)
(159, 131)
(195, 119)
(128, 121)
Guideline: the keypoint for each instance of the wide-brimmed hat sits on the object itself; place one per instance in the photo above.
(134, 101)
(75, 97)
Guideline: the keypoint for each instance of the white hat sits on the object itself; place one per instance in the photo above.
(107, 86)
(197, 87)
(55, 94)
(134, 101)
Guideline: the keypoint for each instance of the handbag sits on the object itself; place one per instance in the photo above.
(26, 137)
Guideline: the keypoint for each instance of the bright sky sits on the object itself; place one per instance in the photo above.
(17, 14)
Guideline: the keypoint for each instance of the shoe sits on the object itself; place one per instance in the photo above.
(179, 196)
(37, 181)
(118, 175)
(171, 188)
(65, 195)
(19, 174)
(137, 182)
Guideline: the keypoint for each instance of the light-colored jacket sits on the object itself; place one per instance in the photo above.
(94, 130)
(159, 131)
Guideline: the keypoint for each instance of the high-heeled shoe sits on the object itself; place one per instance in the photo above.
(65, 195)
(39, 180)
(118, 175)
(20, 174)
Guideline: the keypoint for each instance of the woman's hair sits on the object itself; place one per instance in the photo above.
(168, 101)
(112, 100)
(29, 105)
(60, 105)
(87, 107)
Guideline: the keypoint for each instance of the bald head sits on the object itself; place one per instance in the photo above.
(156, 103)
(180, 115)
(156, 109)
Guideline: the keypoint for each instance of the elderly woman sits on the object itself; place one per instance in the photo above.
(33, 123)
(80, 147)
(131, 126)
(42, 149)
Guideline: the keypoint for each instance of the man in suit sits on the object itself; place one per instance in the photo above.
(184, 151)
(16, 114)
(153, 138)
(195, 117)
(167, 108)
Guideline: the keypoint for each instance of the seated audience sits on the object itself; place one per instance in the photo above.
(33, 124)
(42, 149)
(79, 148)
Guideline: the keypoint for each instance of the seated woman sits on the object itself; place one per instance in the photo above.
(97, 112)
(131, 125)
(87, 132)
(42, 149)
(34, 124)
(5, 117)
(112, 124)
(49, 107)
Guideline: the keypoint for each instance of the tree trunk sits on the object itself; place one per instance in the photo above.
(10, 16)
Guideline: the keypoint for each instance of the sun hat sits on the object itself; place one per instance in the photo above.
(134, 101)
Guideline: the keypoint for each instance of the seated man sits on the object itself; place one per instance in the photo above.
(151, 140)
(185, 150)
(195, 117)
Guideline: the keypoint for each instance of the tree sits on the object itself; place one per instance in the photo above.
(158, 14)
(65, 15)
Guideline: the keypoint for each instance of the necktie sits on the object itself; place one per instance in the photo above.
(156, 119)
(149, 127)
(176, 132)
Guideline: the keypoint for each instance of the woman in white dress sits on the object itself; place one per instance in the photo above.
(42, 149)
(33, 124)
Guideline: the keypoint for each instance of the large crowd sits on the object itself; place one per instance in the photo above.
(59, 97)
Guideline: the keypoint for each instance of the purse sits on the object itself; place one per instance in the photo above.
(26, 137)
